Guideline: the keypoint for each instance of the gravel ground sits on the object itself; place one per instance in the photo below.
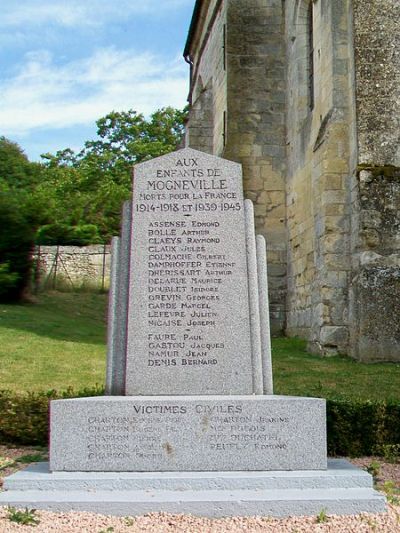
(165, 523)
(388, 472)
(9, 455)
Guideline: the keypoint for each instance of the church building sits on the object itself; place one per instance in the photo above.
(305, 94)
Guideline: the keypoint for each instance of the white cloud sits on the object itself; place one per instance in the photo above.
(44, 94)
(80, 12)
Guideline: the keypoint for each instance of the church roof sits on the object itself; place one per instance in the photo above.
(192, 27)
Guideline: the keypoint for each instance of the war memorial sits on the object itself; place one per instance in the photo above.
(189, 422)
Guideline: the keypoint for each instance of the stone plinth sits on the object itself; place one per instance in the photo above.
(341, 489)
(192, 433)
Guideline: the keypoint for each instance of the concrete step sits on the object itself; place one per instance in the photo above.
(211, 503)
(340, 474)
(342, 489)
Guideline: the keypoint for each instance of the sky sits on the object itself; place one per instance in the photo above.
(66, 63)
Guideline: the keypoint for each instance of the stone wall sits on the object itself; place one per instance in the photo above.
(239, 44)
(375, 287)
(320, 146)
(377, 53)
(256, 128)
(321, 165)
(207, 117)
(74, 266)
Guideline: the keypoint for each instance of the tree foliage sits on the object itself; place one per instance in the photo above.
(90, 186)
(74, 198)
(17, 220)
(16, 170)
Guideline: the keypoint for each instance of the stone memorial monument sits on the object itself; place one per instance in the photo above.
(190, 423)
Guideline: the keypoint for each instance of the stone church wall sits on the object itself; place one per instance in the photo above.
(235, 48)
(375, 285)
(256, 128)
(207, 119)
(319, 145)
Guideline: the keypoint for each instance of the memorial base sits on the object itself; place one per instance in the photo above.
(341, 489)
(187, 433)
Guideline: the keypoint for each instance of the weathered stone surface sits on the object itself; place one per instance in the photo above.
(194, 433)
(377, 69)
(188, 318)
(77, 266)
(334, 335)
(306, 107)
(379, 202)
(238, 93)
(376, 333)
(375, 285)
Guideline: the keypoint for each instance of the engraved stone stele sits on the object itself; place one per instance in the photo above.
(190, 423)
(188, 318)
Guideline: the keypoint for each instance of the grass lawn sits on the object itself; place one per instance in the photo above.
(55, 343)
(299, 373)
(60, 342)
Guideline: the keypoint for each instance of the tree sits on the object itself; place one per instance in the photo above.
(17, 220)
(15, 168)
(89, 187)
(74, 197)
(16, 243)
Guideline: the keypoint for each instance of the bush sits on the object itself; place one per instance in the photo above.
(53, 234)
(8, 279)
(24, 417)
(84, 235)
(358, 428)
(63, 235)
(355, 428)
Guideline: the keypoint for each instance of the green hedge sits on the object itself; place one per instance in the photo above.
(355, 428)
(24, 417)
(361, 427)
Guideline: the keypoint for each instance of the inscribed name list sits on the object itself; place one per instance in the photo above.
(193, 433)
(188, 319)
